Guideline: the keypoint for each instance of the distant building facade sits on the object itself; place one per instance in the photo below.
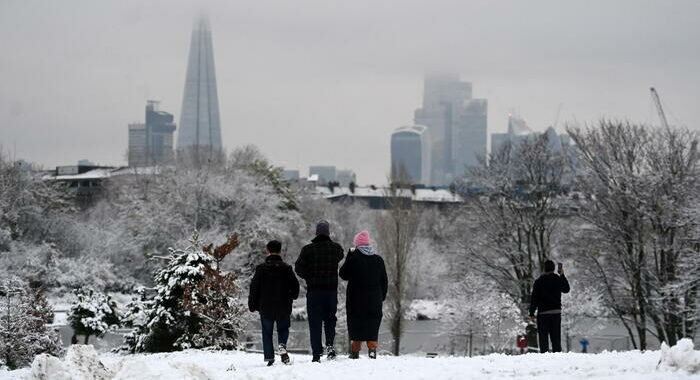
(519, 131)
(152, 143)
(137, 144)
(325, 173)
(411, 153)
(345, 176)
(290, 174)
(457, 124)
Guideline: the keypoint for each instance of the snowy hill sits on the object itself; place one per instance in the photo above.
(81, 364)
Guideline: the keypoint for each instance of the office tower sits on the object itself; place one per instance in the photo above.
(137, 144)
(200, 131)
(151, 143)
(457, 125)
(411, 153)
(159, 134)
(518, 130)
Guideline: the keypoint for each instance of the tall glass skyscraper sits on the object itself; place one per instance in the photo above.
(457, 124)
(411, 154)
(200, 130)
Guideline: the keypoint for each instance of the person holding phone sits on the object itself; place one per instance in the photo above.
(546, 301)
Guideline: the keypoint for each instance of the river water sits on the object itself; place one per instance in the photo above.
(422, 336)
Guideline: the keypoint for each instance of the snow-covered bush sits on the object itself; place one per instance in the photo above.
(196, 303)
(473, 308)
(93, 313)
(582, 311)
(23, 331)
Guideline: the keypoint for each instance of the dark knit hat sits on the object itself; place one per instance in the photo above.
(323, 228)
(549, 266)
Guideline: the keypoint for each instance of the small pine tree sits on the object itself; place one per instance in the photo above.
(93, 313)
(195, 305)
(135, 318)
(23, 331)
(222, 314)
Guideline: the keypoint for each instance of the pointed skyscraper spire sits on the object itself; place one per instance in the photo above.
(200, 130)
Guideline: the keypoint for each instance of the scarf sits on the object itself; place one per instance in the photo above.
(366, 250)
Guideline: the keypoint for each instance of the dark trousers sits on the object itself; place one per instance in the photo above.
(267, 329)
(321, 306)
(549, 328)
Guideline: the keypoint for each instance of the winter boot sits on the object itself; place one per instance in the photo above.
(330, 352)
(354, 354)
(316, 359)
(282, 351)
(270, 363)
(372, 353)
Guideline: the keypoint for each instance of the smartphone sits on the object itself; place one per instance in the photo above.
(560, 266)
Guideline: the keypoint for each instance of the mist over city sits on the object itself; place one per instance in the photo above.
(321, 189)
(76, 74)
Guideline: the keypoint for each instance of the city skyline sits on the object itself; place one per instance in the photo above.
(288, 77)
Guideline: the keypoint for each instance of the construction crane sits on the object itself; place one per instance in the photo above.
(659, 109)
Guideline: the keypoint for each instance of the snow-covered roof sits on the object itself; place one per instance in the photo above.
(420, 195)
(90, 174)
(102, 173)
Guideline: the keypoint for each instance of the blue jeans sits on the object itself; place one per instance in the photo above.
(321, 306)
(267, 329)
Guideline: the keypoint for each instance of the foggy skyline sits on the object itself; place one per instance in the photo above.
(325, 83)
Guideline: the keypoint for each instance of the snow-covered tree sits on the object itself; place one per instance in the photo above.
(139, 215)
(642, 243)
(196, 304)
(93, 313)
(583, 311)
(396, 235)
(476, 309)
(24, 315)
(217, 300)
(506, 230)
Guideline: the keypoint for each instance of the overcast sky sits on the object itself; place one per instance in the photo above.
(325, 82)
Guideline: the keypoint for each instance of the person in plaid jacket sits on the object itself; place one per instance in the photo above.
(318, 266)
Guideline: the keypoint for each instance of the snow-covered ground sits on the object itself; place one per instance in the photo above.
(81, 364)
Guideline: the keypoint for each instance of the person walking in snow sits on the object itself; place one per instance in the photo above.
(367, 281)
(272, 290)
(546, 300)
(318, 266)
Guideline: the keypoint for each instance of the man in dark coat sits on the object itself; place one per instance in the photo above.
(367, 287)
(318, 266)
(272, 290)
(546, 300)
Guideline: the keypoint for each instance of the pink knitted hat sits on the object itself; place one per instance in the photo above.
(362, 239)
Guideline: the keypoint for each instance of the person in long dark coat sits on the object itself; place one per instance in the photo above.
(367, 281)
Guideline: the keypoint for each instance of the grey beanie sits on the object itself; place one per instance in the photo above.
(323, 228)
